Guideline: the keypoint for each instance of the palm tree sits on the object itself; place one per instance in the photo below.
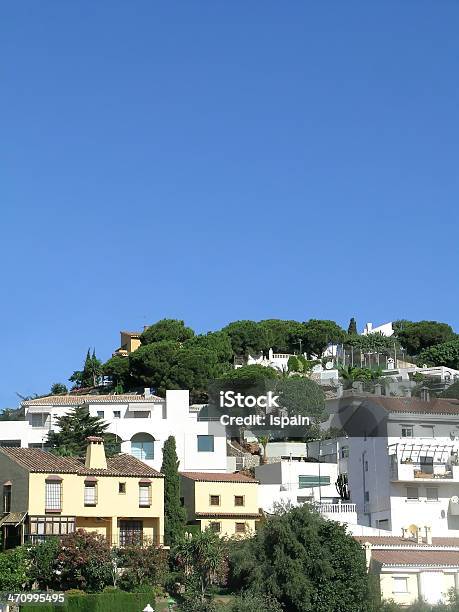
(263, 440)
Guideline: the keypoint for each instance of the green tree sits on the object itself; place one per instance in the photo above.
(14, 569)
(170, 330)
(141, 566)
(303, 396)
(247, 338)
(215, 342)
(193, 369)
(253, 602)
(318, 334)
(250, 372)
(283, 336)
(416, 337)
(58, 389)
(446, 354)
(117, 368)
(352, 329)
(42, 559)
(305, 562)
(202, 558)
(89, 375)
(174, 513)
(374, 343)
(150, 365)
(74, 428)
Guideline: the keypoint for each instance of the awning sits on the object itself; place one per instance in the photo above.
(13, 518)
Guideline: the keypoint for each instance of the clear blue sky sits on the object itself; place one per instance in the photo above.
(216, 161)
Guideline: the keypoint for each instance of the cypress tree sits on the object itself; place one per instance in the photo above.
(352, 329)
(174, 513)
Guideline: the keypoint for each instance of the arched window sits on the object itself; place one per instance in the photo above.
(142, 446)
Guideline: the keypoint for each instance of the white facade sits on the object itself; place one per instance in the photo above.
(385, 329)
(279, 361)
(295, 483)
(141, 422)
(408, 476)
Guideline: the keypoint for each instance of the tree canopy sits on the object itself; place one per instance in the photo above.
(174, 513)
(318, 334)
(418, 336)
(167, 330)
(247, 337)
(446, 354)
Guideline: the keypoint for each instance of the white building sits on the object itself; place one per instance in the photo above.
(406, 473)
(289, 482)
(385, 329)
(142, 424)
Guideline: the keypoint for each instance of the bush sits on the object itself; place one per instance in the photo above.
(142, 566)
(115, 601)
(14, 569)
(42, 559)
(248, 602)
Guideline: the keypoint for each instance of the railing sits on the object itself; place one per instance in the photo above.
(123, 540)
(412, 470)
(338, 508)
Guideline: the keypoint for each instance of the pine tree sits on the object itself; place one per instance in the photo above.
(174, 513)
(74, 428)
(352, 329)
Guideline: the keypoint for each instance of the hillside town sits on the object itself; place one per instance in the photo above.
(122, 458)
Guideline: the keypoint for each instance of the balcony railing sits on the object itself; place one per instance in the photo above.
(406, 471)
(339, 508)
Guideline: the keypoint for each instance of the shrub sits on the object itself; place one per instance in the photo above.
(142, 566)
(14, 569)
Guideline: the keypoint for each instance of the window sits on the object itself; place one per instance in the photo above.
(53, 496)
(6, 498)
(239, 500)
(215, 527)
(367, 496)
(101, 414)
(215, 500)
(42, 526)
(142, 446)
(131, 532)
(90, 493)
(432, 494)
(39, 419)
(144, 494)
(122, 487)
(412, 493)
(117, 414)
(240, 527)
(407, 431)
(205, 444)
(344, 452)
(400, 585)
(426, 464)
(366, 466)
(312, 481)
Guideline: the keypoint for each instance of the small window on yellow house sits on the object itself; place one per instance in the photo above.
(122, 487)
(215, 527)
(215, 500)
(144, 494)
(240, 527)
(90, 492)
(239, 500)
(400, 585)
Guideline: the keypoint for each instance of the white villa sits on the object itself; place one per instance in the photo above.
(142, 423)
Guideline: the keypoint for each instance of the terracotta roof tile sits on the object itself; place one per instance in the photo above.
(78, 400)
(35, 460)
(416, 557)
(412, 404)
(242, 515)
(215, 477)
(399, 542)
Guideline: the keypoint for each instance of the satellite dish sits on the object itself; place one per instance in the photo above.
(329, 365)
(455, 499)
(413, 529)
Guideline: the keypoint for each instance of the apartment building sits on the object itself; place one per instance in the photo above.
(401, 459)
(44, 495)
(227, 503)
(141, 423)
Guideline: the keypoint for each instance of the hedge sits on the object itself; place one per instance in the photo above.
(115, 601)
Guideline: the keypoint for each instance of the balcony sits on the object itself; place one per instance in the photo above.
(342, 512)
(420, 471)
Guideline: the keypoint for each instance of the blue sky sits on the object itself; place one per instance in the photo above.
(216, 161)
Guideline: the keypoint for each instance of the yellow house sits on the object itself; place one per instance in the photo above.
(44, 495)
(130, 342)
(227, 503)
(413, 568)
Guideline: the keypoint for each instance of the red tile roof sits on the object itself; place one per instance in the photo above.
(214, 477)
(399, 542)
(415, 557)
(412, 404)
(35, 460)
(222, 515)
(78, 400)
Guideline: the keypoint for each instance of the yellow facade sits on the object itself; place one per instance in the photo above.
(111, 506)
(412, 594)
(228, 506)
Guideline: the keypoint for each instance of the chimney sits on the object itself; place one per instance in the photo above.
(147, 392)
(367, 547)
(419, 535)
(95, 454)
(428, 535)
